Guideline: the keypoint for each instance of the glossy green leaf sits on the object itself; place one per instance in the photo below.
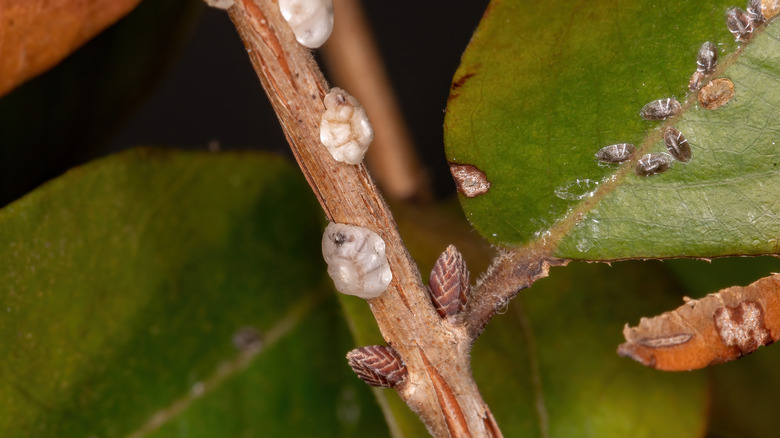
(548, 368)
(126, 282)
(543, 86)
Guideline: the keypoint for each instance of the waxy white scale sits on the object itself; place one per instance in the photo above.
(311, 20)
(344, 128)
(356, 260)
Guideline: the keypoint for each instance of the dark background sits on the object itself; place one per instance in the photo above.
(175, 74)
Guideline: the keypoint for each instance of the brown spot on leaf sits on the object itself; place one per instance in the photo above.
(716, 93)
(717, 328)
(469, 180)
(742, 326)
(457, 83)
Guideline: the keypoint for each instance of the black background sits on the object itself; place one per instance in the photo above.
(212, 93)
(174, 73)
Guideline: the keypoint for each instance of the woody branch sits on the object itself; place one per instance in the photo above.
(439, 386)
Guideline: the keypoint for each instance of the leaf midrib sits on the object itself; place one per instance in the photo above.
(225, 370)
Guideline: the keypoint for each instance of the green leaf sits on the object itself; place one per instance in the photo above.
(543, 86)
(548, 366)
(745, 396)
(126, 282)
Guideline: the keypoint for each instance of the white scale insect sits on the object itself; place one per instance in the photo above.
(311, 20)
(220, 4)
(344, 128)
(356, 260)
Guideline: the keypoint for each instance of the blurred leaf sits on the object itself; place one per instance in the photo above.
(37, 34)
(543, 86)
(701, 277)
(548, 366)
(61, 118)
(401, 421)
(127, 281)
(427, 229)
(744, 398)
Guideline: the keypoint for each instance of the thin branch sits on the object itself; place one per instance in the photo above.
(435, 352)
(511, 272)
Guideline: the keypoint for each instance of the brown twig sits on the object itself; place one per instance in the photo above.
(353, 58)
(439, 387)
(511, 272)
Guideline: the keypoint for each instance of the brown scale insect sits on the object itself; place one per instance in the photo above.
(739, 24)
(378, 365)
(677, 145)
(706, 60)
(754, 12)
(695, 83)
(660, 109)
(615, 153)
(716, 94)
(449, 283)
(653, 164)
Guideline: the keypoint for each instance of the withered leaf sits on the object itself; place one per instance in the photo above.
(717, 328)
(37, 34)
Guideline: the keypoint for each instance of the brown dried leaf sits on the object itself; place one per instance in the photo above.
(378, 365)
(449, 283)
(718, 328)
(37, 34)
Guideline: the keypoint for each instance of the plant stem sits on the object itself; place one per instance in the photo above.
(510, 272)
(440, 387)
